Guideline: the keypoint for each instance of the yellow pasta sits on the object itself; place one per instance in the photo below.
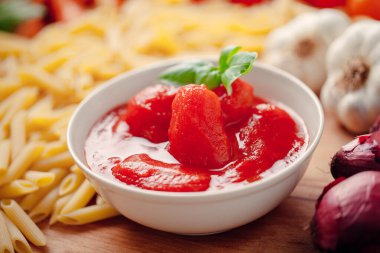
(80, 198)
(23, 222)
(30, 201)
(40, 178)
(19, 242)
(5, 240)
(22, 162)
(62, 160)
(12, 99)
(59, 204)
(45, 206)
(26, 99)
(5, 151)
(17, 188)
(18, 133)
(54, 148)
(70, 183)
(76, 169)
(88, 214)
(99, 200)
(43, 80)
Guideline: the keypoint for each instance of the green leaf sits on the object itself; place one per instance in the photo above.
(239, 65)
(226, 55)
(208, 75)
(232, 65)
(14, 12)
(183, 73)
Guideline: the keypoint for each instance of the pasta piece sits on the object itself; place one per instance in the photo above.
(59, 204)
(19, 242)
(45, 206)
(54, 148)
(88, 214)
(10, 100)
(43, 105)
(30, 201)
(99, 200)
(5, 240)
(5, 151)
(80, 198)
(76, 169)
(70, 183)
(43, 80)
(22, 162)
(23, 222)
(62, 160)
(18, 133)
(25, 100)
(42, 179)
(17, 188)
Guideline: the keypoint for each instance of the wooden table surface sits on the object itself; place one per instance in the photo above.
(285, 229)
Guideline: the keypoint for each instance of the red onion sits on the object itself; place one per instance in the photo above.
(361, 154)
(376, 126)
(347, 216)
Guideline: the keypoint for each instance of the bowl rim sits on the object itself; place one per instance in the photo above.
(244, 189)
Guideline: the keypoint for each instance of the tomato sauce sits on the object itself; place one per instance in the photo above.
(267, 141)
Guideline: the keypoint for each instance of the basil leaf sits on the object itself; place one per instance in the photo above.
(182, 74)
(14, 12)
(239, 65)
(208, 75)
(226, 55)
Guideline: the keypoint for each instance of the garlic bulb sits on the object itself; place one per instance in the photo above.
(300, 46)
(352, 88)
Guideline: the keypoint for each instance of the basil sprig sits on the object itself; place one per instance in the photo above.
(232, 65)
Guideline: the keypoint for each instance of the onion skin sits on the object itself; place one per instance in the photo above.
(376, 126)
(361, 154)
(347, 216)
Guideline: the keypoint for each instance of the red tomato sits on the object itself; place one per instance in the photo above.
(246, 2)
(326, 3)
(369, 8)
(64, 10)
(30, 27)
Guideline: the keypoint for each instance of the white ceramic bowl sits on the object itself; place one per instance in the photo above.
(198, 212)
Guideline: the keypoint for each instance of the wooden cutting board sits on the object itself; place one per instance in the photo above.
(285, 229)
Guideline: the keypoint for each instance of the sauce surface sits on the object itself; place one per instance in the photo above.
(264, 143)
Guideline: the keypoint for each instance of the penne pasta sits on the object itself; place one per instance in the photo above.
(45, 206)
(22, 162)
(43, 80)
(40, 178)
(10, 100)
(99, 200)
(59, 204)
(18, 133)
(23, 222)
(53, 148)
(88, 214)
(17, 188)
(25, 101)
(70, 183)
(62, 160)
(5, 240)
(80, 198)
(5, 151)
(76, 169)
(31, 200)
(19, 242)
